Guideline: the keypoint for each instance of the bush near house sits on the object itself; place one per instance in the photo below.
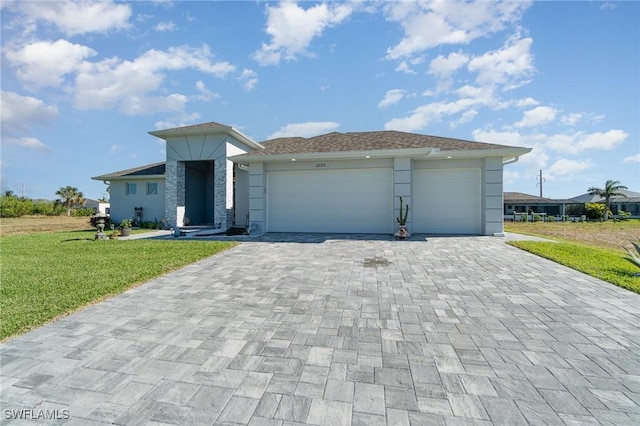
(595, 211)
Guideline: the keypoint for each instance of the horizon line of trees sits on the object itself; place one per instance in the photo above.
(71, 202)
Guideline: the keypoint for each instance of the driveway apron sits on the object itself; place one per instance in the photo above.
(333, 331)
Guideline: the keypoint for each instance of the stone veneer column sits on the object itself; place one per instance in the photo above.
(401, 188)
(220, 216)
(174, 192)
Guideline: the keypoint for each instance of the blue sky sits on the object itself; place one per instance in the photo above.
(83, 82)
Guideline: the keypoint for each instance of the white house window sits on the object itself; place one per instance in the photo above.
(152, 188)
(130, 188)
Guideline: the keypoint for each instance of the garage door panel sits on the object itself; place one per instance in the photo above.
(353, 200)
(447, 201)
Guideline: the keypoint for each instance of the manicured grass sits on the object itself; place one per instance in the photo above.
(47, 275)
(606, 264)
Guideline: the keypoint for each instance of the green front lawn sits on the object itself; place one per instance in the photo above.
(47, 275)
(606, 264)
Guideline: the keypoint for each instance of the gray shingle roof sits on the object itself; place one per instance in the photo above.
(368, 141)
(521, 198)
(148, 170)
(631, 197)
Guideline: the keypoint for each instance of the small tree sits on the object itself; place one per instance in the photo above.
(70, 197)
(594, 210)
(612, 188)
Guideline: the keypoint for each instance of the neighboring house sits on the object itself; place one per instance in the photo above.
(518, 202)
(630, 203)
(134, 189)
(337, 182)
(100, 206)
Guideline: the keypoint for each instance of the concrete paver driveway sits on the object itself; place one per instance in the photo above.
(338, 332)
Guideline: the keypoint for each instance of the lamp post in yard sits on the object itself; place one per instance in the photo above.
(100, 235)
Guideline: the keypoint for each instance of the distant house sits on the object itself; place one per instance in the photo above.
(518, 202)
(630, 203)
(100, 206)
(337, 182)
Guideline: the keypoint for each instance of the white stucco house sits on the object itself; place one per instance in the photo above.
(338, 182)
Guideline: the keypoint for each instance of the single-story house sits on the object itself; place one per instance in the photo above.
(518, 203)
(629, 203)
(337, 182)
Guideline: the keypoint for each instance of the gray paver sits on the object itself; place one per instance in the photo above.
(296, 329)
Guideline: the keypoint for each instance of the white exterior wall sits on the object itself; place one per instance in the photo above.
(257, 192)
(123, 205)
(489, 176)
(241, 205)
(492, 194)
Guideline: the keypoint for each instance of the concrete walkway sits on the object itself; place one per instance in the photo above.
(327, 331)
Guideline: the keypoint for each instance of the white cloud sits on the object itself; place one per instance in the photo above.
(465, 107)
(632, 159)
(445, 66)
(250, 78)
(127, 84)
(422, 116)
(466, 117)
(20, 113)
(77, 17)
(305, 130)
(571, 118)
(392, 97)
(537, 117)
(509, 66)
(148, 105)
(430, 24)
(510, 177)
(536, 159)
(567, 169)
(45, 63)
(165, 26)
(526, 102)
(403, 66)
(205, 94)
(576, 142)
(27, 142)
(293, 28)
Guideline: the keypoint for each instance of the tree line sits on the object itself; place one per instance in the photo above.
(70, 202)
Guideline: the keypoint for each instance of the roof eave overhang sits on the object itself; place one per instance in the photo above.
(226, 130)
(413, 153)
(128, 177)
(333, 155)
(504, 153)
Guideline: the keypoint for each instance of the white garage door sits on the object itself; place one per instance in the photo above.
(344, 201)
(447, 201)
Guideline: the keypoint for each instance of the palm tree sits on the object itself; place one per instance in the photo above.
(612, 188)
(70, 196)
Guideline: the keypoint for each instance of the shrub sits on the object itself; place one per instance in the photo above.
(83, 211)
(537, 218)
(11, 206)
(595, 211)
(47, 208)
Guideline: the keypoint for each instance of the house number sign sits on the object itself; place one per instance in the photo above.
(320, 165)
